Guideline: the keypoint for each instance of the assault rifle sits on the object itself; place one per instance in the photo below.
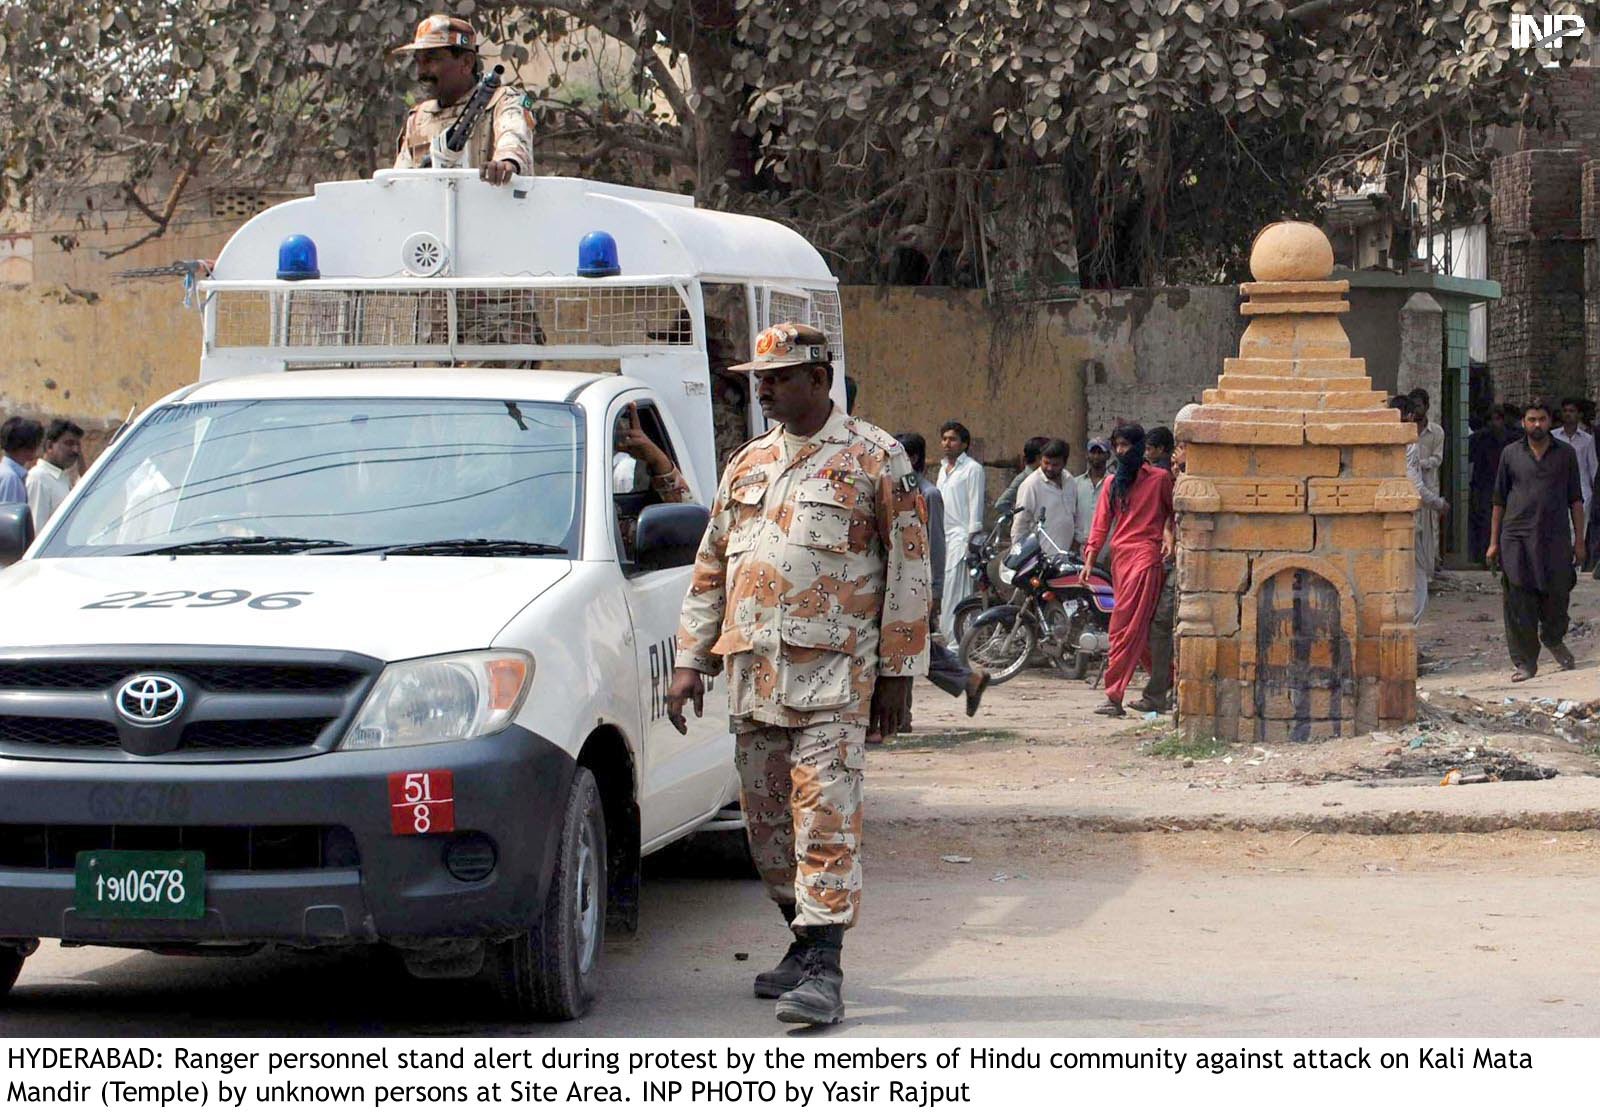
(447, 151)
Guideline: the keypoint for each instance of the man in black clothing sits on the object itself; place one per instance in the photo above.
(1483, 454)
(1536, 534)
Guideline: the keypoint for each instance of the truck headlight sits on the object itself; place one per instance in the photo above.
(438, 700)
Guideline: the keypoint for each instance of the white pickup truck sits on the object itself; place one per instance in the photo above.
(366, 636)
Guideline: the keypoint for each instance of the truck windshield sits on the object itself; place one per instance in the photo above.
(293, 475)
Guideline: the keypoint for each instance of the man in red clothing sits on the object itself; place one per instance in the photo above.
(1135, 509)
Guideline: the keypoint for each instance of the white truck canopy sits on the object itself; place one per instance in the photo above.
(529, 229)
(437, 267)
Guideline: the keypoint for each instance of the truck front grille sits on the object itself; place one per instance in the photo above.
(58, 732)
(269, 678)
(228, 848)
(295, 732)
(239, 704)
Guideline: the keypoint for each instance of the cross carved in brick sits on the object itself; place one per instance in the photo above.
(1346, 496)
(1267, 495)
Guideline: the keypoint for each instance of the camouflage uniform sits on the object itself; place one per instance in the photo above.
(503, 132)
(810, 583)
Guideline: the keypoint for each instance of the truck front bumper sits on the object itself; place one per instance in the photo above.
(299, 851)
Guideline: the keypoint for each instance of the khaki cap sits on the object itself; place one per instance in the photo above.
(439, 31)
(786, 344)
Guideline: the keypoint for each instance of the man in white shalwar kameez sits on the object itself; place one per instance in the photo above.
(1430, 457)
(1425, 536)
(961, 484)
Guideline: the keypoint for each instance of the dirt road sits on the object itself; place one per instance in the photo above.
(1037, 751)
(1088, 934)
(1070, 906)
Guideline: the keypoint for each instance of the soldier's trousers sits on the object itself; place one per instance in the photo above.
(801, 793)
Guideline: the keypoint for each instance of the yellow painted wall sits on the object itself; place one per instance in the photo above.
(924, 356)
(1067, 369)
(921, 356)
(91, 356)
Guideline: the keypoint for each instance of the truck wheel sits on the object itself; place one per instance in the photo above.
(552, 972)
(10, 965)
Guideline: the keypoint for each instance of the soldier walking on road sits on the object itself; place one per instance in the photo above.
(811, 584)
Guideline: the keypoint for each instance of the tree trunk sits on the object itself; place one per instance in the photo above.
(724, 155)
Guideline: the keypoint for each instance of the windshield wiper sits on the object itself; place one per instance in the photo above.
(258, 544)
(489, 547)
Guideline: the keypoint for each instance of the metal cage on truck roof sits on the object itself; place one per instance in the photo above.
(450, 319)
(438, 266)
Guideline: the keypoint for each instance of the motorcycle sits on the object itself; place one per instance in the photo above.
(1054, 614)
(983, 552)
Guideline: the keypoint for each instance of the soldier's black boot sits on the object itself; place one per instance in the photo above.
(819, 998)
(790, 971)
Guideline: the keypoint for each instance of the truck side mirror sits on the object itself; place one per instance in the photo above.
(668, 535)
(16, 531)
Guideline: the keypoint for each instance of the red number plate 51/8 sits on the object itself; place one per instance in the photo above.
(422, 802)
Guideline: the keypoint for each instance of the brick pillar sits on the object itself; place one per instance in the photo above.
(1591, 274)
(1422, 349)
(1296, 569)
(1536, 330)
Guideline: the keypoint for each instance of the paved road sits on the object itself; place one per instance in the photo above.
(1192, 934)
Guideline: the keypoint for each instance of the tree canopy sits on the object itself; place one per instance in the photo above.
(913, 140)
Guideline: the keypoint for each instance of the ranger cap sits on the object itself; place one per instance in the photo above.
(439, 31)
(786, 344)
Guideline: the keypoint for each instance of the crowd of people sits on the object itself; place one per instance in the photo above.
(1116, 512)
(39, 464)
(1533, 476)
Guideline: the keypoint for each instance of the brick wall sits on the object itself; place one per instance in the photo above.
(1575, 96)
(1537, 331)
(1536, 194)
(1591, 274)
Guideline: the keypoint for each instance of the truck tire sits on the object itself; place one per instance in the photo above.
(552, 972)
(10, 965)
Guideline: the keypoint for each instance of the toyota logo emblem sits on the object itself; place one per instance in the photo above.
(149, 699)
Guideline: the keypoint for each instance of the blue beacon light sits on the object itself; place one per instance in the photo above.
(297, 258)
(597, 256)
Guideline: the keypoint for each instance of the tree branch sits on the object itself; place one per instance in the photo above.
(670, 90)
(1301, 12)
(168, 208)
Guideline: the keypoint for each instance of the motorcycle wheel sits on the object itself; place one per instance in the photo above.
(1064, 642)
(964, 614)
(1001, 649)
(1080, 665)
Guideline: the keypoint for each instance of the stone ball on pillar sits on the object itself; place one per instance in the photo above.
(1291, 252)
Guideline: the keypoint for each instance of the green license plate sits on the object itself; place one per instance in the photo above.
(112, 883)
